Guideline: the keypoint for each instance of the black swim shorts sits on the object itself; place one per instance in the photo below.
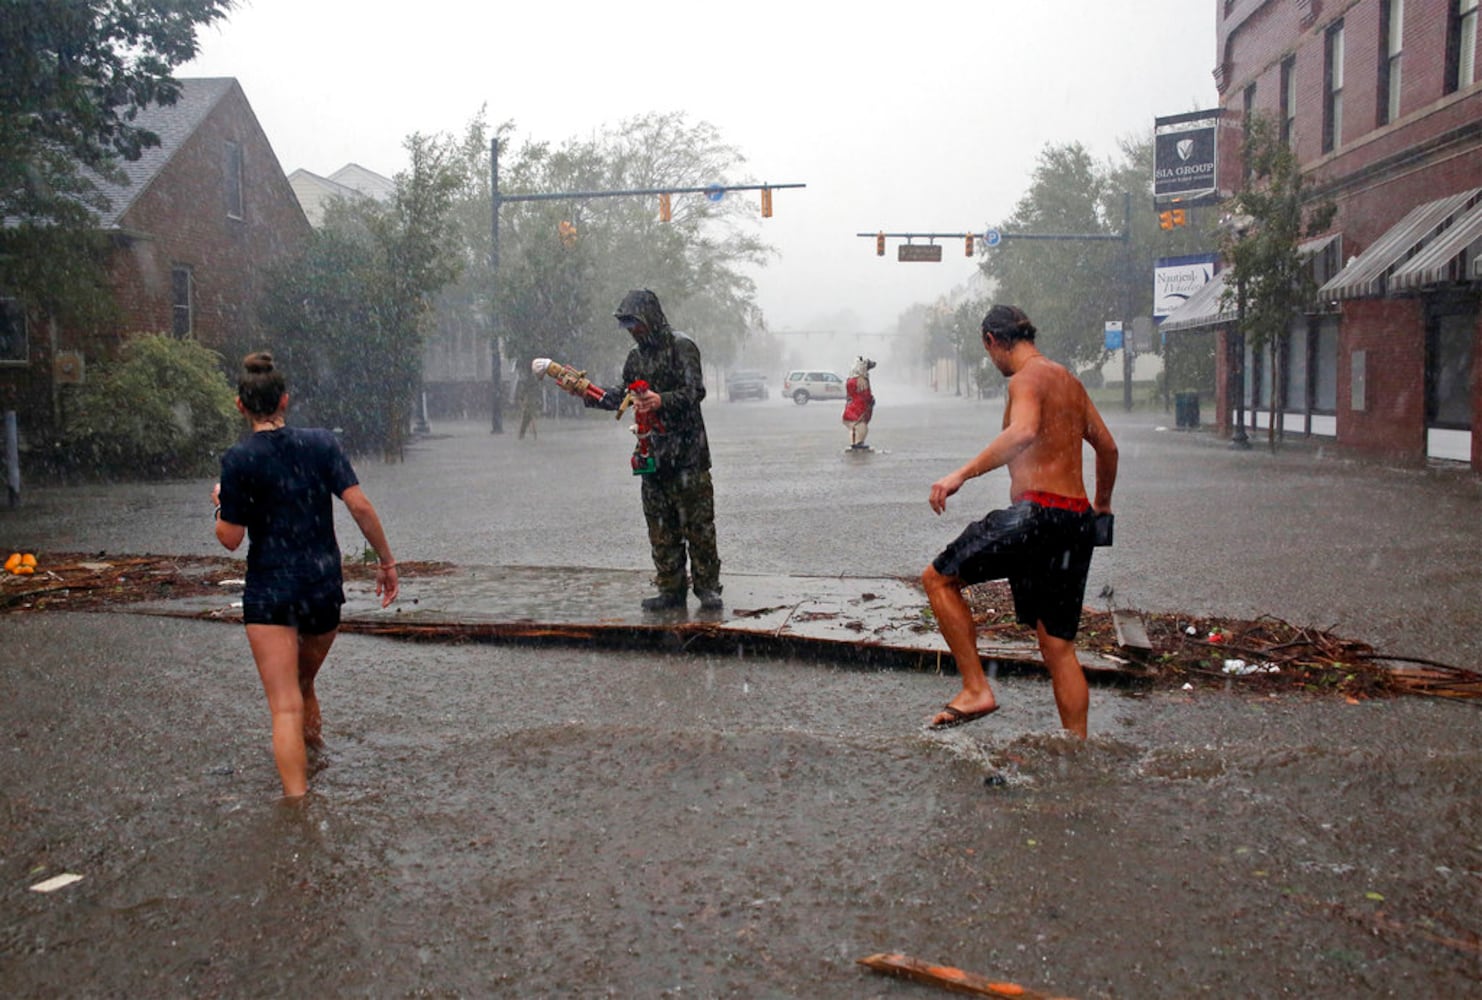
(1044, 552)
(311, 617)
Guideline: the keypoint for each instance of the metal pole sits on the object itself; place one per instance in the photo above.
(1238, 438)
(496, 393)
(1127, 301)
(12, 459)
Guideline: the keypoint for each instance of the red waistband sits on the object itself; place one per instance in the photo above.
(1078, 504)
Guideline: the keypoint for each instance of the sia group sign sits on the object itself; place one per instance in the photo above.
(1184, 156)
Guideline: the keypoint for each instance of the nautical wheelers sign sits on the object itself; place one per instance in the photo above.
(1184, 157)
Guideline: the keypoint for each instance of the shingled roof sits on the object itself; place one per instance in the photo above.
(174, 124)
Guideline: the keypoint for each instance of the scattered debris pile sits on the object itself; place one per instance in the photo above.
(71, 581)
(1265, 654)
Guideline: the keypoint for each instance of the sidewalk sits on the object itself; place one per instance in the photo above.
(878, 622)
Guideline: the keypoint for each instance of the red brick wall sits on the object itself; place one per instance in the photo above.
(1370, 196)
(1391, 332)
(185, 212)
(1375, 176)
(182, 216)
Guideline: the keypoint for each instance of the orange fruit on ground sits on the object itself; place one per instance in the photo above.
(12, 562)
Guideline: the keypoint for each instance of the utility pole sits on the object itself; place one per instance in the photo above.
(496, 349)
(712, 191)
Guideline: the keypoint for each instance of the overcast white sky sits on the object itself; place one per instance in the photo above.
(914, 117)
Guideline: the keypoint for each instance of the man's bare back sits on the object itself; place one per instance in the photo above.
(1047, 416)
(1064, 416)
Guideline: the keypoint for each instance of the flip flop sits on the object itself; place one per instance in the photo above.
(959, 717)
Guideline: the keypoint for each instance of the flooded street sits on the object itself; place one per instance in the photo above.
(560, 821)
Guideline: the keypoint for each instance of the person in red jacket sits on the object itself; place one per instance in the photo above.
(861, 403)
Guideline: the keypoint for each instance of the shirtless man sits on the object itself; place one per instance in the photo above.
(1042, 542)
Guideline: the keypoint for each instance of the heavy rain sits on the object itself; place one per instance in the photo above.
(532, 786)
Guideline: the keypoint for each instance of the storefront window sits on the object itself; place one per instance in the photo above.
(1296, 367)
(1448, 371)
(1325, 361)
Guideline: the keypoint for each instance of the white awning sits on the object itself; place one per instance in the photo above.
(1203, 308)
(1432, 266)
(1367, 275)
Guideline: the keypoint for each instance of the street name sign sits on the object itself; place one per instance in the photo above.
(919, 251)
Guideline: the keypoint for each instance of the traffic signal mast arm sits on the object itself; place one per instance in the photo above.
(1006, 236)
(632, 192)
(992, 236)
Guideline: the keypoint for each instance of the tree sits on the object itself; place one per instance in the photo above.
(1069, 288)
(162, 409)
(1265, 225)
(954, 331)
(352, 314)
(74, 75)
(556, 288)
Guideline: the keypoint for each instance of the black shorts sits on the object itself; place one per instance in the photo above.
(1044, 552)
(314, 616)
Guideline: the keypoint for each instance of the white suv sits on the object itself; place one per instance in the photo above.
(805, 385)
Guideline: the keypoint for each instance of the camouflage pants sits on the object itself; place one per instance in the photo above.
(680, 510)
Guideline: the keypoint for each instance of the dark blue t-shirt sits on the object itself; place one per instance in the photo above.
(280, 485)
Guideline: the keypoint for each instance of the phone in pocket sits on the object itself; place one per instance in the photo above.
(1102, 529)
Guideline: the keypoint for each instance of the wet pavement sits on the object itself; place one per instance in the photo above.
(500, 819)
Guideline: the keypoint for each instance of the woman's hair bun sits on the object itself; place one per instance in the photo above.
(260, 363)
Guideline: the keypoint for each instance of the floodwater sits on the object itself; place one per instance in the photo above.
(556, 821)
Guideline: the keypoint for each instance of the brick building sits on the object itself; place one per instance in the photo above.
(204, 216)
(1382, 102)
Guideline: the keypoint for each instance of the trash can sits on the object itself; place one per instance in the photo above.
(1186, 409)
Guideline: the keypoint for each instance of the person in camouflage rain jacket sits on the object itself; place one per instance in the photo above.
(678, 500)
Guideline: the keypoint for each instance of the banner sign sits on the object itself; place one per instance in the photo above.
(1176, 278)
(1184, 156)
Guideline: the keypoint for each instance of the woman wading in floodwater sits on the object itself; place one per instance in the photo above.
(277, 488)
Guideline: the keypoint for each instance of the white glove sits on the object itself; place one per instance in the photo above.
(539, 365)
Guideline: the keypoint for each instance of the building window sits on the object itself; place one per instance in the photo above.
(1391, 47)
(1325, 362)
(182, 296)
(1297, 382)
(1332, 117)
(13, 349)
(233, 181)
(1448, 370)
(1288, 99)
(1461, 45)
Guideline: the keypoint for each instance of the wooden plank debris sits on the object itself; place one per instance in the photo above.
(947, 977)
(1131, 633)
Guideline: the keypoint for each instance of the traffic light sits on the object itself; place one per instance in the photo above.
(665, 213)
(567, 231)
(1179, 219)
(879, 244)
(1173, 218)
(968, 240)
(1165, 220)
(766, 203)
